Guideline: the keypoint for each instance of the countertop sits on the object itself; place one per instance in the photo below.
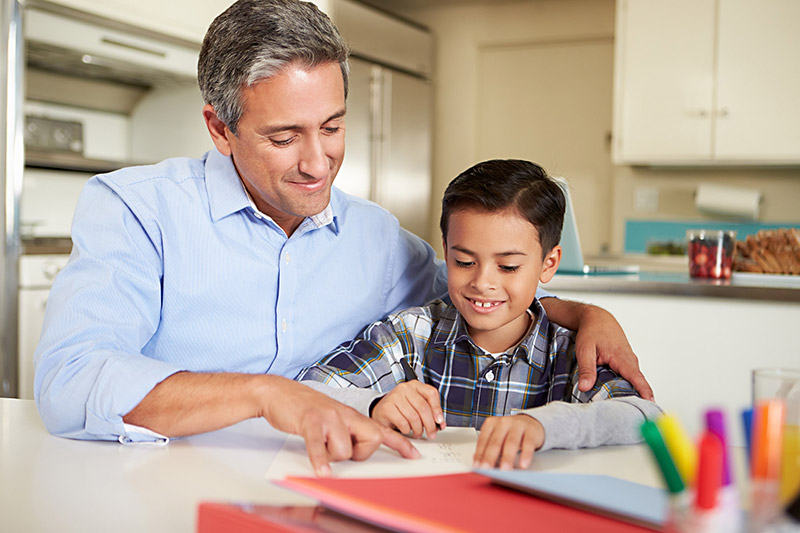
(743, 286)
(55, 484)
(669, 276)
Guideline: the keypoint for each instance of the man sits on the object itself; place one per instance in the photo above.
(197, 288)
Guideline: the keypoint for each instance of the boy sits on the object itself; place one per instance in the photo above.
(493, 352)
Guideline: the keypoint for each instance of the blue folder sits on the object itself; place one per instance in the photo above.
(605, 495)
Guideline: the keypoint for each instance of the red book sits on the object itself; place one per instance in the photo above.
(247, 518)
(450, 503)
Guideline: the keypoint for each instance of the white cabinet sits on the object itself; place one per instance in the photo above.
(185, 19)
(694, 351)
(707, 82)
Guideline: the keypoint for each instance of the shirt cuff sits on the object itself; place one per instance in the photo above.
(138, 435)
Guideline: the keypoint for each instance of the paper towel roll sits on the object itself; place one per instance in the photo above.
(728, 201)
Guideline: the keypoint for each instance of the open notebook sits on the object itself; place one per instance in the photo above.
(572, 256)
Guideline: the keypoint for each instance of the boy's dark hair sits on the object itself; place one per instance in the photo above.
(501, 184)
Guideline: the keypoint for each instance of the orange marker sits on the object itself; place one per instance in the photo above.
(765, 463)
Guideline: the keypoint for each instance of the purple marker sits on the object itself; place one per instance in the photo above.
(715, 423)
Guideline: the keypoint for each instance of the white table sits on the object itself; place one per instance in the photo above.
(53, 484)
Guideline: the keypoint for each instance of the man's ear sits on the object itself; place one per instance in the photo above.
(551, 261)
(444, 247)
(218, 130)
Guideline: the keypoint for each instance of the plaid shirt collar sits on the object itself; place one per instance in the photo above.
(451, 329)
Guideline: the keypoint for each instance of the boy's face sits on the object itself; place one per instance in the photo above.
(494, 264)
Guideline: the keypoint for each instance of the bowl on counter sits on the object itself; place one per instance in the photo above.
(710, 253)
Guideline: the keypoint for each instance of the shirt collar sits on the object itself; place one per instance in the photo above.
(452, 329)
(227, 195)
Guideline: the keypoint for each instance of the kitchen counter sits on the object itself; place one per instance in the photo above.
(54, 484)
(779, 288)
(698, 340)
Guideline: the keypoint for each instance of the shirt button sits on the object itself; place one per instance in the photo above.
(284, 325)
(489, 376)
(288, 257)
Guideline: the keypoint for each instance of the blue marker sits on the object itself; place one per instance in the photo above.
(747, 425)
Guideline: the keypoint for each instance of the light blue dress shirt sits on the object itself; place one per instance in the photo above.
(173, 263)
(173, 269)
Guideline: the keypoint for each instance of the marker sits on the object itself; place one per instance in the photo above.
(407, 370)
(411, 376)
(709, 472)
(680, 448)
(668, 470)
(715, 423)
(679, 499)
(765, 462)
(747, 426)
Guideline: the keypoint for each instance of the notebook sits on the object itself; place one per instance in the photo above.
(571, 255)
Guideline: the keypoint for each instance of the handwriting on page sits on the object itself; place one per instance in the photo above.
(451, 452)
(445, 454)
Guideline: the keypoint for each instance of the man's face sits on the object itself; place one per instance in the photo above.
(290, 141)
(494, 264)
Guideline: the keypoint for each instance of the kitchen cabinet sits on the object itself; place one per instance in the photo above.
(707, 82)
(187, 20)
(693, 349)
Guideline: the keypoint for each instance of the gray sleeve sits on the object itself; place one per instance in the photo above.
(611, 421)
(358, 399)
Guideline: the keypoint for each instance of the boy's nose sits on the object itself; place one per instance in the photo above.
(483, 280)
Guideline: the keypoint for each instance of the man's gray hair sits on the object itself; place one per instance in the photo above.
(256, 39)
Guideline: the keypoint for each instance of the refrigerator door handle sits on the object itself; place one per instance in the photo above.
(12, 158)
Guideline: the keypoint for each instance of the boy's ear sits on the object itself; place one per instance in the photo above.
(551, 261)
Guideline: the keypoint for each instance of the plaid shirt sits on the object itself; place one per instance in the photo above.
(472, 384)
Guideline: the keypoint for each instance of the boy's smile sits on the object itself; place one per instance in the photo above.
(494, 264)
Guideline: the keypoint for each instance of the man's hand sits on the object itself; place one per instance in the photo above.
(187, 403)
(503, 437)
(600, 341)
(332, 430)
(411, 407)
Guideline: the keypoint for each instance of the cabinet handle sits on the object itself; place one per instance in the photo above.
(723, 112)
(701, 113)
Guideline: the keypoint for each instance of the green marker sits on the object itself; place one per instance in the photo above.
(656, 443)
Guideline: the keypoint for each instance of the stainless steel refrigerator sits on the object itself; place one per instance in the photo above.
(388, 153)
(11, 165)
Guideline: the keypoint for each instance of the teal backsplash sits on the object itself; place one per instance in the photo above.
(638, 233)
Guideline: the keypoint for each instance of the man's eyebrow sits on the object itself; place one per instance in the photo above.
(277, 128)
(499, 254)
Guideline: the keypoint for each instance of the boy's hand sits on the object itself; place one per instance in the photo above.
(411, 407)
(502, 437)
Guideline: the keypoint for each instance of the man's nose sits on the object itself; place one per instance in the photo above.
(313, 160)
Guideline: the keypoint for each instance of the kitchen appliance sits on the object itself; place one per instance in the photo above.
(389, 113)
(11, 164)
(94, 100)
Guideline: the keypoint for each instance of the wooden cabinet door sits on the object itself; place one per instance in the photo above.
(758, 102)
(664, 80)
